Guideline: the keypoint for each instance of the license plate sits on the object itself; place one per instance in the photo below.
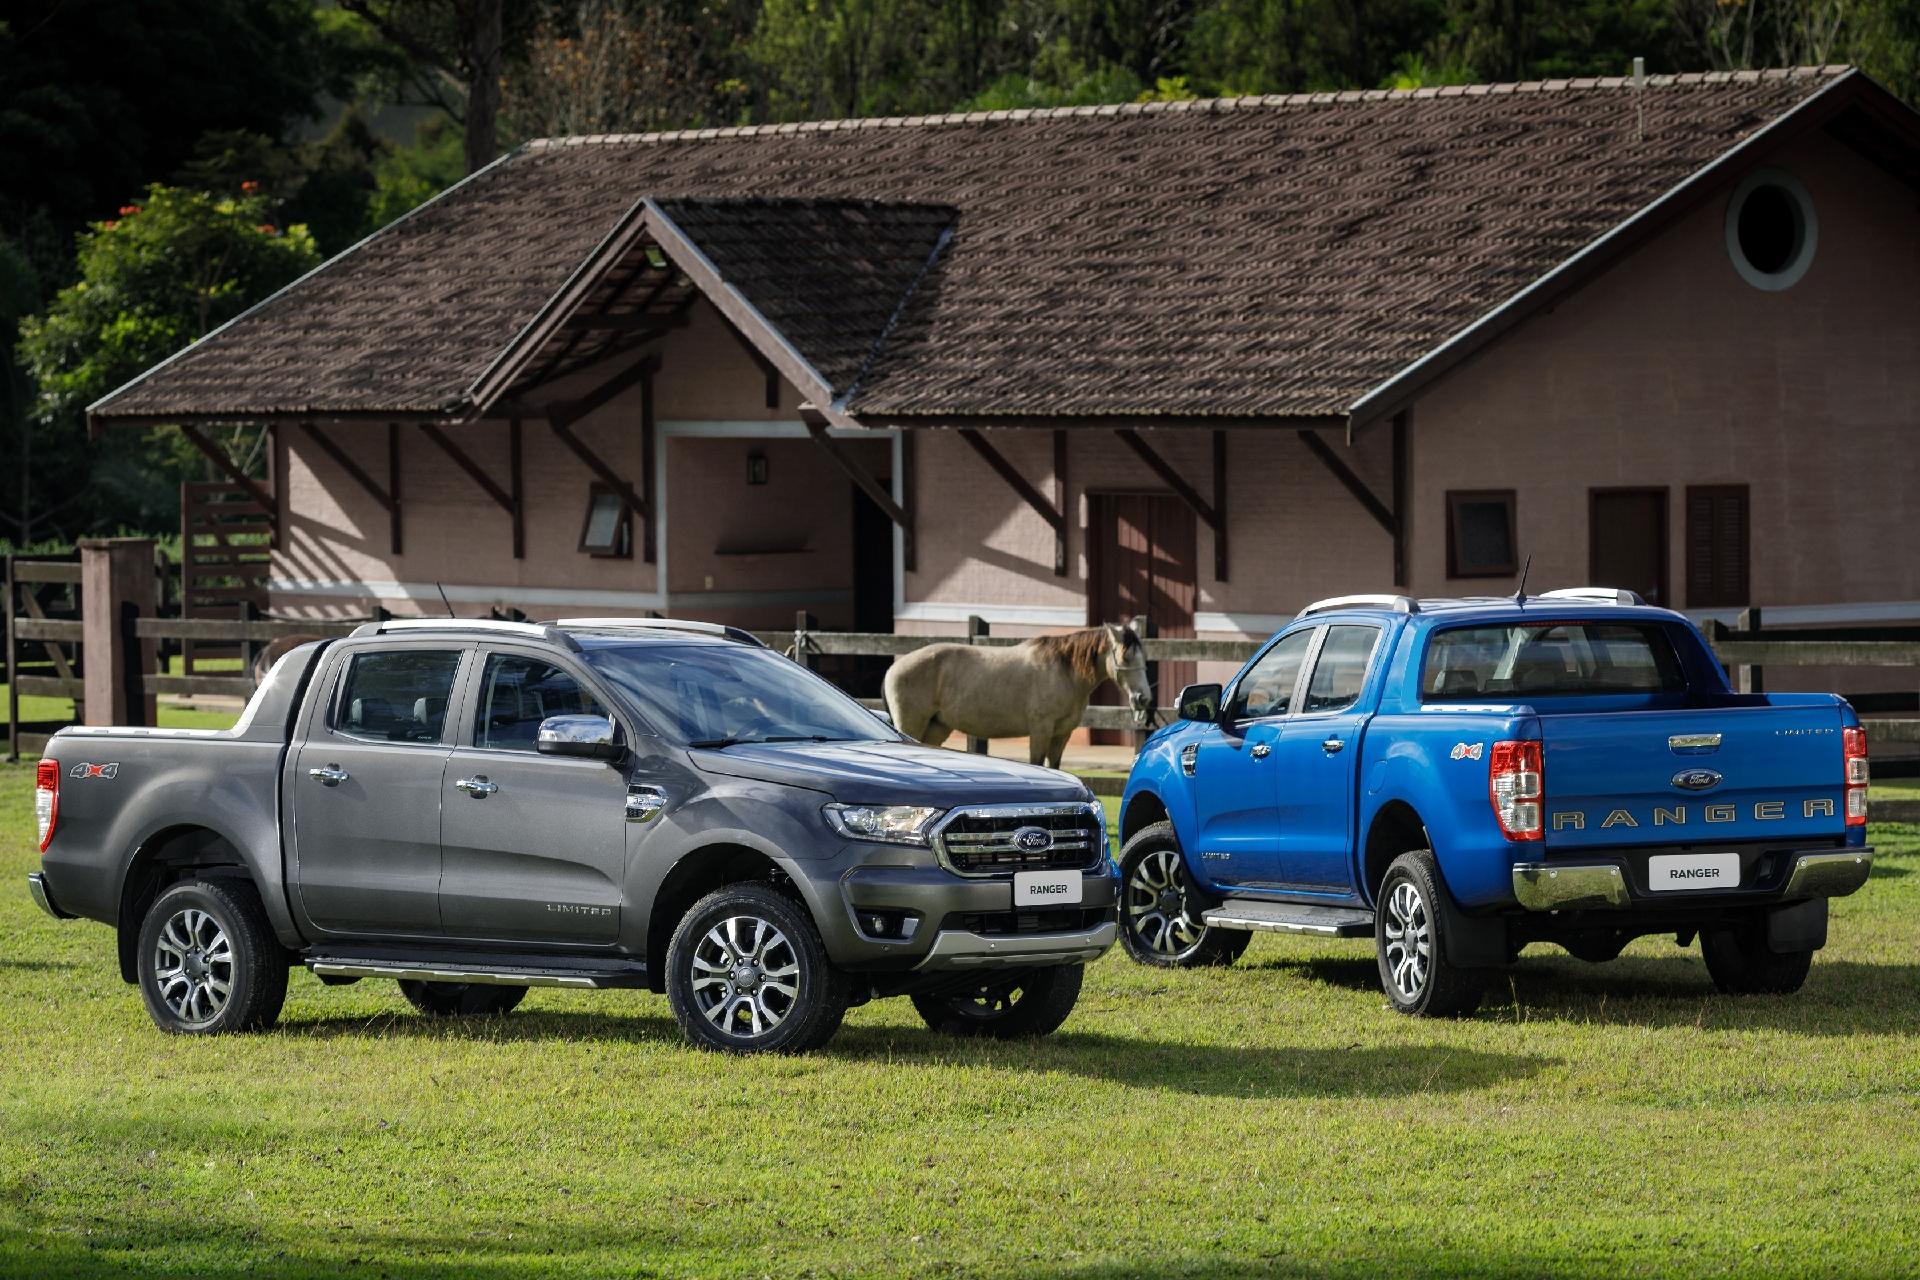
(1046, 888)
(1669, 871)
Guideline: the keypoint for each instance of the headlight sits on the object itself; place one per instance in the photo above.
(888, 824)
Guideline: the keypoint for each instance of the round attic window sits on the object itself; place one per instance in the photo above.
(1771, 230)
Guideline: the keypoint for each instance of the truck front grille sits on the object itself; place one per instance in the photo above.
(998, 840)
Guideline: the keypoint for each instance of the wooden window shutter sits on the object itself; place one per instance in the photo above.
(1717, 551)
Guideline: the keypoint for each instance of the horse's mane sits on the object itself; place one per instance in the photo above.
(1078, 650)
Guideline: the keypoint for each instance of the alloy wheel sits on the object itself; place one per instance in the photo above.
(1157, 905)
(193, 966)
(1409, 941)
(746, 976)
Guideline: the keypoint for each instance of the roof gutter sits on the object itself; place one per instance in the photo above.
(98, 409)
(1403, 387)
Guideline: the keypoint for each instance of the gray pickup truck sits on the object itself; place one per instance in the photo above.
(476, 808)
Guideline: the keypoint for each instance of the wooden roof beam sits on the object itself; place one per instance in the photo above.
(817, 428)
(231, 469)
(1055, 516)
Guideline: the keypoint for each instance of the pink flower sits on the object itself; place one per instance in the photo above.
(266, 229)
(128, 210)
(249, 187)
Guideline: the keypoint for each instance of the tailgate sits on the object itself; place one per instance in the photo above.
(1684, 777)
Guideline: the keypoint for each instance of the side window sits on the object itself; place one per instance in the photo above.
(517, 693)
(1267, 690)
(1341, 668)
(397, 696)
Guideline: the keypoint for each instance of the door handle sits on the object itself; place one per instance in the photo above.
(477, 787)
(1332, 745)
(1259, 751)
(331, 776)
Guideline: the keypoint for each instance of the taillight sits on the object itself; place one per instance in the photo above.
(1853, 746)
(46, 799)
(1515, 785)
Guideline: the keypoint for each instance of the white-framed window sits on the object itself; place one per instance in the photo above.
(1772, 230)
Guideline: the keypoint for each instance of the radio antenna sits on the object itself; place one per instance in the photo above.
(1520, 595)
(443, 598)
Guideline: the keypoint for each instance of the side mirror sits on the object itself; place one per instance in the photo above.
(582, 737)
(1200, 702)
(882, 715)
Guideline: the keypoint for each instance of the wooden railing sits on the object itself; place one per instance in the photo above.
(1747, 652)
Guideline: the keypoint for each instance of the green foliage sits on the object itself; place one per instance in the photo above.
(408, 176)
(152, 280)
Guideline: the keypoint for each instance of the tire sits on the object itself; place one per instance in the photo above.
(1410, 944)
(1017, 1007)
(747, 973)
(1741, 964)
(461, 999)
(1153, 886)
(208, 960)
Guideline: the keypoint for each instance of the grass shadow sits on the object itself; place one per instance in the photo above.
(1210, 1070)
(521, 1025)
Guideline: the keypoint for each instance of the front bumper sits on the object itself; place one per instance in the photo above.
(1541, 886)
(944, 921)
(959, 949)
(37, 887)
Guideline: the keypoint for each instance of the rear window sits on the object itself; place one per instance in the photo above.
(1532, 660)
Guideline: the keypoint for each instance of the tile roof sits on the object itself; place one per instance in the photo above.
(1244, 257)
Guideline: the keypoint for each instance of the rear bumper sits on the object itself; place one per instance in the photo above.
(1540, 886)
(37, 888)
(958, 949)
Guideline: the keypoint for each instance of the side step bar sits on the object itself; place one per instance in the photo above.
(488, 974)
(1291, 917)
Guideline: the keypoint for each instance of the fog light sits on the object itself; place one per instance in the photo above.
(888, 926)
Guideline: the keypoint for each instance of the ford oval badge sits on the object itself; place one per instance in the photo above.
(1696, 779)
(1033, 839)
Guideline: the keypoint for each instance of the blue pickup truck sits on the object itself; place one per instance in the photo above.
(1459, 778)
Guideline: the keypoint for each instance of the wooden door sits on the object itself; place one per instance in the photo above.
(1627, 541)
(1141, 558)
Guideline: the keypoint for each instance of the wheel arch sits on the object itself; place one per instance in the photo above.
(1396, 828)
(1143, 810)
(164, 858)
(699, 872)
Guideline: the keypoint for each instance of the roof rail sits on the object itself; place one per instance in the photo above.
(1399, 604)
(1593, 595)
(488, 626)
(667, 624)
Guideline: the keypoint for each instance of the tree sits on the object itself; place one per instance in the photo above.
(19, 295)
(161, 275)
(606, 66)
(452, 54)
(99, 98)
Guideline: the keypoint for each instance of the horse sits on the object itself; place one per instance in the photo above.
(273, 652)
(1038, 687)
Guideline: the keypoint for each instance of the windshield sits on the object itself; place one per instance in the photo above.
(1534, 660)
(718, 695)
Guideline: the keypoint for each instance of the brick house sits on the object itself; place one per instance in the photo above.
(1202, 360)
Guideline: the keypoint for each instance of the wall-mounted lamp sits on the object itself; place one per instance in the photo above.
(756, 468)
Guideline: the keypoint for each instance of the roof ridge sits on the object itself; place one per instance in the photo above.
(1202, 105)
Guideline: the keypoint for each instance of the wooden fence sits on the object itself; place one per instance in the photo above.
(40, 601)
(1748, 652)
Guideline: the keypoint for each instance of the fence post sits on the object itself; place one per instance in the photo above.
(976, 628)
(7, 605)
(1750, 679)
(803, 622)
(116, 587)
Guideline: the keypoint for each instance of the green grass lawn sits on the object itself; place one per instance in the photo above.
(1274, 1118)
